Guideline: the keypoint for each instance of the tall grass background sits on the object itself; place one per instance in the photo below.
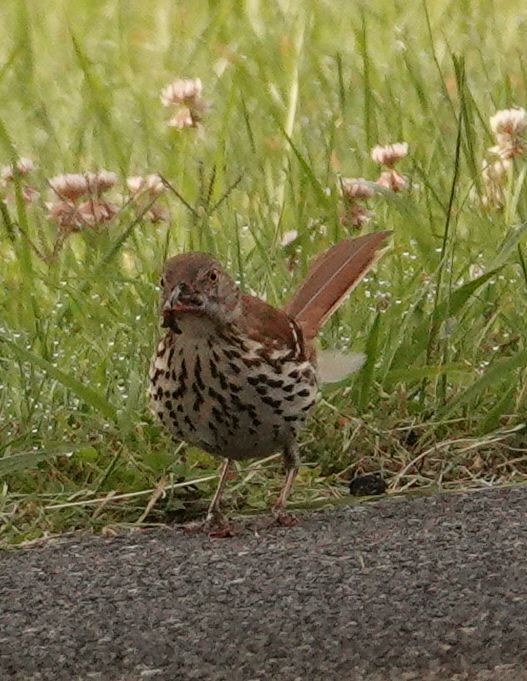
(299, 92)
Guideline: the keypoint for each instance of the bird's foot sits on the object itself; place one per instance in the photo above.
(215, 525)
(284, 519)
(221, 530)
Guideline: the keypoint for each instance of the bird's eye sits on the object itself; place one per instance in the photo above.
(213, 275)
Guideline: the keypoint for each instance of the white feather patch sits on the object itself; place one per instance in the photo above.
(335, 366)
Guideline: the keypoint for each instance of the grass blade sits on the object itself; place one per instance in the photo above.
(83, 392)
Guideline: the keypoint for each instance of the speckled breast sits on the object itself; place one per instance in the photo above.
(229, 395)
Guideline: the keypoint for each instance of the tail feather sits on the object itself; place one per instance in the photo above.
(331, 277)
(335, 366)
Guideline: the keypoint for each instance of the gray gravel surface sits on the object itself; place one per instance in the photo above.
(422, 588)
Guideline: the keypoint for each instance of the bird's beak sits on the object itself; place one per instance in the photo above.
(172, 299)
(181, 299)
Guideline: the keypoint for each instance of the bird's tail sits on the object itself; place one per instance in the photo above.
(331, 277)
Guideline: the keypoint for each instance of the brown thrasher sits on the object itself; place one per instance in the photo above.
(235, 376)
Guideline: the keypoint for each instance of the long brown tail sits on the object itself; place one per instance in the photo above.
(331, 277)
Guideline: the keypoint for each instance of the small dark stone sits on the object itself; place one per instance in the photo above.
(367, 485)
(412, 438)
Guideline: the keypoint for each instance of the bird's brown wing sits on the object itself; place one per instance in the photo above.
(331, 277)
(274, 328)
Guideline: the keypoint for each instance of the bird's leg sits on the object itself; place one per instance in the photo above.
(215, 518)
(291, 465)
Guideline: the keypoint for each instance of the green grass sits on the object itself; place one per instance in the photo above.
(299, 92)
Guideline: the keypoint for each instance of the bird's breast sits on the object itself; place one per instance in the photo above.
(230, 395)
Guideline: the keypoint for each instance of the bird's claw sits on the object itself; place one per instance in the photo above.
(283, 518)
(215, 525)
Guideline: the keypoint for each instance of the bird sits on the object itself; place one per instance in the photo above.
(237, 377)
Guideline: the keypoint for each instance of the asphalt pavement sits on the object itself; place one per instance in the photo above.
(429, 588)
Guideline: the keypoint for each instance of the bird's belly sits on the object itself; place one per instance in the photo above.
(229, 404)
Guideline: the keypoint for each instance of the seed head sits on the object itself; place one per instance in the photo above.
(157, 214)
(288, 238)
(93, 213)
(495, 172)
(30, 194)
(391, 179)
(182, 119)
(64, 215)
(70, 217)
(390, 154)
(185, 96)
(182, 91)
(355, 216)
(509, 122)
(100, 182)
(148, 184)
(22, 167)
(509, 126)
(356, 188)
(69, 186)
(495, 176)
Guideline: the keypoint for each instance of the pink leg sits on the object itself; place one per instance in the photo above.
(214, 513)
(291, 462)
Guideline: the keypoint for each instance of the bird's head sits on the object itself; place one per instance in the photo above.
(194, 284)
